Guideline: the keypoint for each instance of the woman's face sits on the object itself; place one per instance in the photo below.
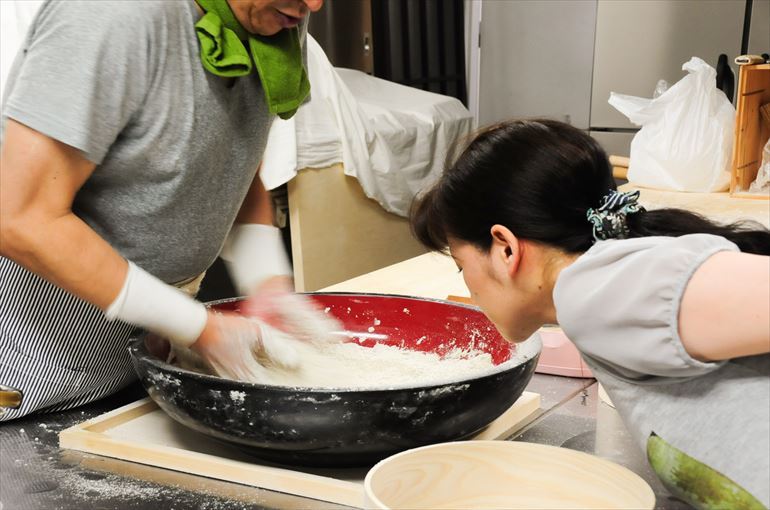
(500, 292)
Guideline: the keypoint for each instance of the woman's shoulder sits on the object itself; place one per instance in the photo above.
(619, 301)
(609, 268)
(645, 261)
(648, 249)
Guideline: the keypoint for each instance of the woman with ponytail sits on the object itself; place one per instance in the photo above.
(670, 310)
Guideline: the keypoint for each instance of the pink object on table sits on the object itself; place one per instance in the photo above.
(559, 355)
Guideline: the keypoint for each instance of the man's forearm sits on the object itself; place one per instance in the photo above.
(68, 253)
(39, 178)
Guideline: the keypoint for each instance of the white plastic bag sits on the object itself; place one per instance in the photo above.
(686, 139)
(762, 183)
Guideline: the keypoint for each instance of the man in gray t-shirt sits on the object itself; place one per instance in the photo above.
(125, 163)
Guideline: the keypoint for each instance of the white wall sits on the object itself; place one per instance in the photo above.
(472, 17)
(15, 18)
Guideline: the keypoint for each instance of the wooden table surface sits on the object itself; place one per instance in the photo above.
(430, 275)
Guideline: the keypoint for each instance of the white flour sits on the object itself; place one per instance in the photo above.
(351, 366)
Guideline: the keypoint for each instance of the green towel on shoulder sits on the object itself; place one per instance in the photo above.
(278, 58)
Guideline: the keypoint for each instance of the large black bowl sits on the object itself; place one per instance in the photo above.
(344, 427)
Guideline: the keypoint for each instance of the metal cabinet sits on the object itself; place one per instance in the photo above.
(561, 59)
(536, 60)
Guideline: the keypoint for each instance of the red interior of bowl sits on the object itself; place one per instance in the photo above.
(411, 323)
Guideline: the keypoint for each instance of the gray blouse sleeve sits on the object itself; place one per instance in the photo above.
(619, 303)
(84, 73)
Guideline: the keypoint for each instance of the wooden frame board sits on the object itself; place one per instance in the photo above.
(141, 432)
(751, 132)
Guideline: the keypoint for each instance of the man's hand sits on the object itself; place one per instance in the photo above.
(275, 304)
(239, 348)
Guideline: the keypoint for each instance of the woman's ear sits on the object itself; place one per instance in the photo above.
(505, 250)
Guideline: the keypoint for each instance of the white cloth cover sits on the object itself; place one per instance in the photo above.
(394, 139)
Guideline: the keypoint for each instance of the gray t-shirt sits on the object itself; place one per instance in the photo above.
(176, 147)
(619, 303)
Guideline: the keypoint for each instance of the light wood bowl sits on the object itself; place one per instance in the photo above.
(502, 474)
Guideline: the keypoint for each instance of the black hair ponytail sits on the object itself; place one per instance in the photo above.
(539, 178)
(749, 236)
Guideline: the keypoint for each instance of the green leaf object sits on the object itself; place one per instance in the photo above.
(694, 482)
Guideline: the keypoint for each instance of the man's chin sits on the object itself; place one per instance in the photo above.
(268, 31)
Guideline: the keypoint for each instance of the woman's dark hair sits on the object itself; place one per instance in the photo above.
(538, 178)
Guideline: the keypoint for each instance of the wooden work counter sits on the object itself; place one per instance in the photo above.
(431, 275)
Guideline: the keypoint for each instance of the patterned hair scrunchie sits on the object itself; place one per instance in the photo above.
(609, 220)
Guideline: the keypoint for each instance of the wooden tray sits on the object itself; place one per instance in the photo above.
(142, 432)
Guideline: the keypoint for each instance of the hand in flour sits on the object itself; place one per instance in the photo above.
(277, 305)
(239, 348)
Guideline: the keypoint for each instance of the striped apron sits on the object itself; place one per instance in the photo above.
(57, 349)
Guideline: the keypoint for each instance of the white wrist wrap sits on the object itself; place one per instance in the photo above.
(148, 302)
(253, 253)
